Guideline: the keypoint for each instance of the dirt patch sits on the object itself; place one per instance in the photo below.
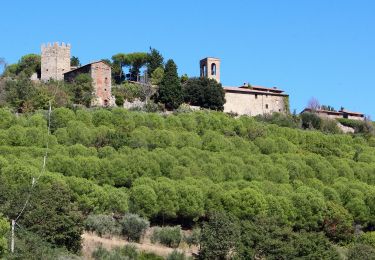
(91, 241)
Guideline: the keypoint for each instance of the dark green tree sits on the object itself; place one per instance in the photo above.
(154, 60)
(219, 237)
(74, 61)
(170, 91)
(4, 229)
(82, 89)
(204, 92)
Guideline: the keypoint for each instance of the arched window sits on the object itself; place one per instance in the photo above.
(213, 69)
(204, 71)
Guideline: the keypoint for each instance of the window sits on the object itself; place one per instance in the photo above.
(213, 69)
(256, 96)
(204, 71)
(266, 106)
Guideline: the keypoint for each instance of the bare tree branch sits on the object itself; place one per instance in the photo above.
(313, 104)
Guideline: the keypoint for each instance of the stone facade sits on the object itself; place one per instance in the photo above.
(245, 101)
(336, 114)
(55, 61)
(210, 68)
(100, 73)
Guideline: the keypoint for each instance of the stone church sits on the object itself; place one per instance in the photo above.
(55, 64)
(246, 99)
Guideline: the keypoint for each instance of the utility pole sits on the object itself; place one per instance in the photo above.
(12, 242)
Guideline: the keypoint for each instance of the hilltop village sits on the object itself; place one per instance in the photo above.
(190, 169)
(241, 100)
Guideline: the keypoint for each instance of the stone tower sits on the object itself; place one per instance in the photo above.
(55, 61)
(210, 68)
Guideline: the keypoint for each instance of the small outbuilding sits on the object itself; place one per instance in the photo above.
(100, 73)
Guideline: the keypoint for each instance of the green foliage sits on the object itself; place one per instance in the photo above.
(170, 92)
(367, 239)
(135, 61)
(361, 252)
(134, 227)
(142, 201)
(180, 167)
(74, 61)
(363, 127)
(267, 238)
(4, 229)
(128, 251)
(154, 62)
(175, 255)
(311, 120)
(219, 237)
(168, 236)
(82, 89)
(129, 91)
(280, 119)
(204, 92)
(193, 238)
(157, 76)
(26, 66)
(103, 225)
(338, 223)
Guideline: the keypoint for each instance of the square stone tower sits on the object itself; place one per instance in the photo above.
(210, 68)
(55, 61)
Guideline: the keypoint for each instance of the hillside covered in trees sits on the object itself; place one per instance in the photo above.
(252, 189)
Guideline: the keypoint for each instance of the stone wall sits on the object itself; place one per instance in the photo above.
(55, 61)
(253, 104)
(101, 80)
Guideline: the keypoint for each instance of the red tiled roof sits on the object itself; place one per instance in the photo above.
(341, 112)
(351, 113)
(255, 91)
(276, 90)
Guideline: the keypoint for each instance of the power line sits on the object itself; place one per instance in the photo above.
(34, 180)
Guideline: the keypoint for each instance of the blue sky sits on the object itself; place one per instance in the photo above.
(309, 48)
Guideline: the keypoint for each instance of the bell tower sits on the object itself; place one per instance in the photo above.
(210, 68)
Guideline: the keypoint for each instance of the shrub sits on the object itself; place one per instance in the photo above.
(193, 238)
(125, 252)
(168, 236)
(311, 120)
(329, 126)
(175, 255)
(279, 119)
(102, 225)
(133, 226)
(363, 127)
(367, 238)
(361, 252)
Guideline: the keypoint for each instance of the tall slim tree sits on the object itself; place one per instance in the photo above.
(170, 91)
(154, 60)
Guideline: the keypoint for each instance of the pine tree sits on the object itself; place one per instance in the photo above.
(154, 60)
(170, 91)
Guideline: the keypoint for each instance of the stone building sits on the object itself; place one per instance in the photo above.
(254, 100)
(55, 61)
(246, 99)
(100, 73)
(336, 114)
(210, 68)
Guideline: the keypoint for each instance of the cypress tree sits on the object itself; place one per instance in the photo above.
(170, 91)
